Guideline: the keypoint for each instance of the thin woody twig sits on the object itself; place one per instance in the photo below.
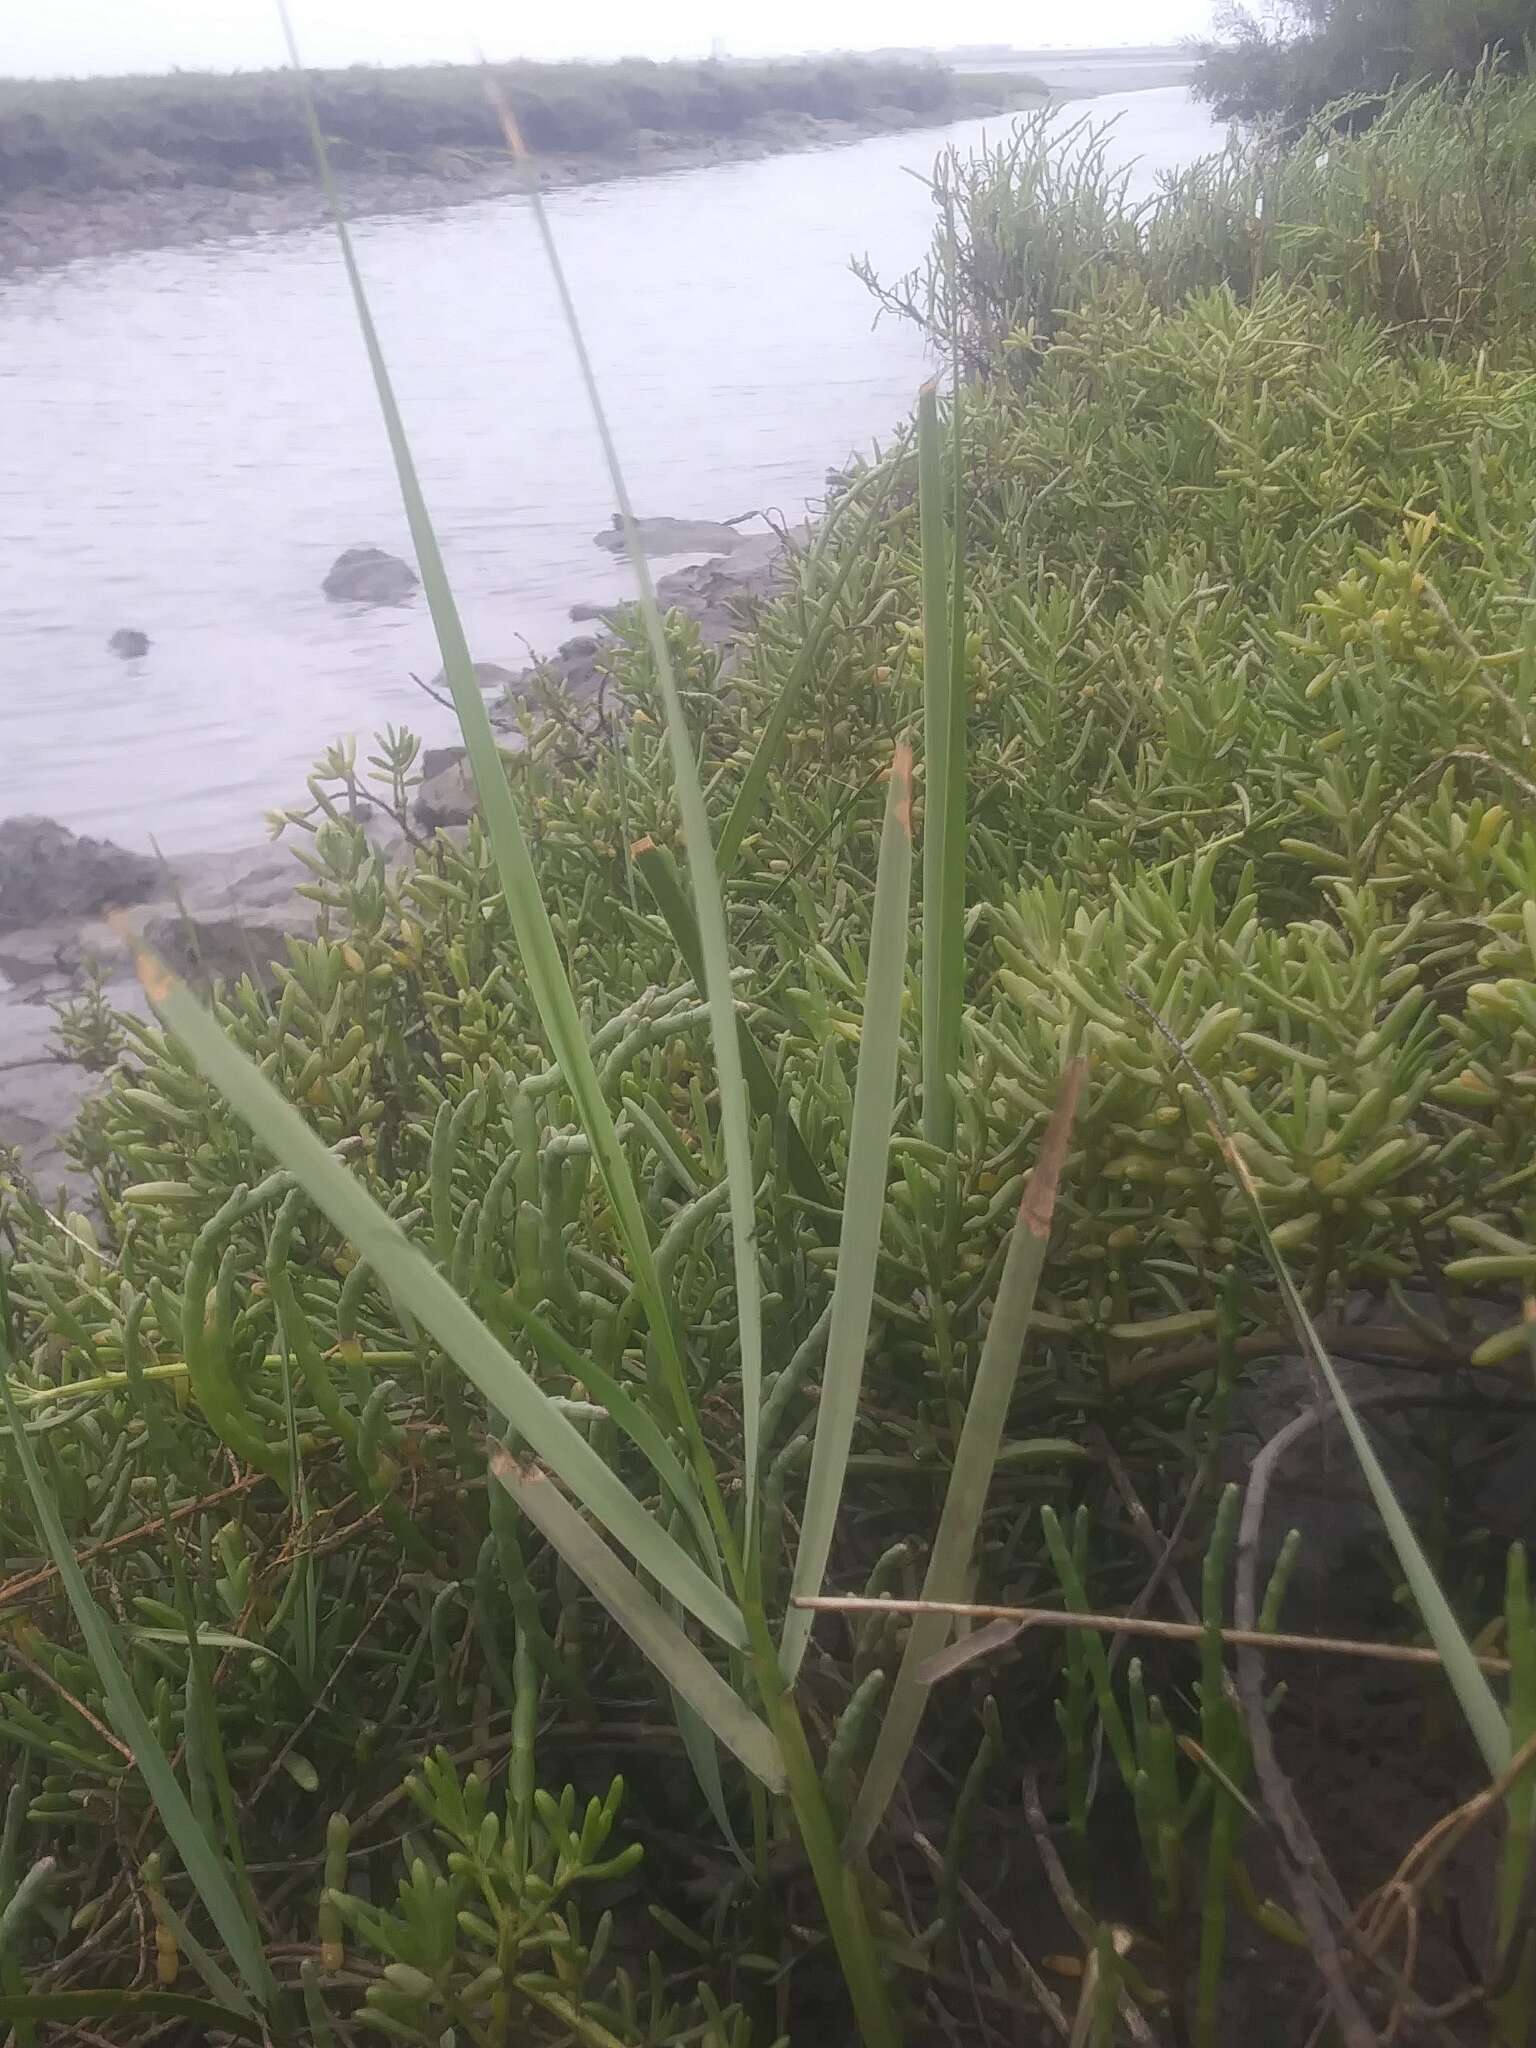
(31, 1582)
(1161, 1553)
(1314, 1890)
(1432, 1848)
(1464, 757)
(77, 1706)
(1073, 1910)
(1126, 1624)
(1050, 2005)
(1492, 682)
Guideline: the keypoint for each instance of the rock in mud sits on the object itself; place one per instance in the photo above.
(672, 537)
(47, 872)
(446, 795)
(490, 675)
(719, 595)
(204, 950)
(129, 642)
(370, 576)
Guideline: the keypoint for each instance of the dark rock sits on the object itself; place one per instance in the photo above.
(47, 872)
(232, 914)
(207, 949)
(369, 576)
(720, 594)
(672, 537)
(446, 795)
(581, 613)
(129, 642)
(490, 675)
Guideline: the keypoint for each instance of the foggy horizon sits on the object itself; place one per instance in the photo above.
(79, 40)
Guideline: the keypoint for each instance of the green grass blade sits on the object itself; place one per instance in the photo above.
(952, 938)
(658, 870)
(975, 1456)
(200, 1859)
(207, 1966)
(681, 1663)
(542, 962)
(853, 1291)
(1483, 1714)
(1518, 2009)
(703, 1753)
(943, 827)
(1485, 1718)
(631, 1415)
(419, 1287)
(769, 750)
(708, 900)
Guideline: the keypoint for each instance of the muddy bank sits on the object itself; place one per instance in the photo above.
(43, 227)
(719, 595)
(228, 913)
(217, 916)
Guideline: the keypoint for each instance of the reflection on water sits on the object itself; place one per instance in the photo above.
(191, 438)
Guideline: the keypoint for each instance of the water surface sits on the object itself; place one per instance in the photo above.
(191, 438)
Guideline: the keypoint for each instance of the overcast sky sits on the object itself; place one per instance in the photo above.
(74, 36)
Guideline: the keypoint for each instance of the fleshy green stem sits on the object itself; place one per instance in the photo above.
(839, 1883)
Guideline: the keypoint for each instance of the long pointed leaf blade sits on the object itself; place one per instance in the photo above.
(1485, 1718)
(417, 1284)
(952, 935)
(1475, 1696)
(659, 873)
(200, 1859)
(708, 899)
(632, 1416)
(853, 1291)
(940, 938)
(975, 1457)
(703, 1753)
(655, 1634)
(547, 978)
(769, 750)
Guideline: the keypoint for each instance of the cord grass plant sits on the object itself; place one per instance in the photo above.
(391, 1397)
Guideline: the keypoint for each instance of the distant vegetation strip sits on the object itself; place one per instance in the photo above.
(246, 128)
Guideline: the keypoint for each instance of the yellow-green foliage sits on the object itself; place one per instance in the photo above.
(1251, 665)
(1250, 656)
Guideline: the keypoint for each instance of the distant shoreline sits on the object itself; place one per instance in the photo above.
(90, 166)
(47, 225)
(42, 229)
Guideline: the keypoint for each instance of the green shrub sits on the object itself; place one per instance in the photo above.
(1426, 222)
(1289, 65)
(1250, 657)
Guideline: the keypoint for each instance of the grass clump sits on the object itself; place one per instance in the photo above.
(1423, 222)
(1246, 637)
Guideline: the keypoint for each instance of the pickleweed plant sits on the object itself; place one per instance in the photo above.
(850, 1121)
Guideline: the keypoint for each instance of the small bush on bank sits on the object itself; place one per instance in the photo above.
(1286, 65)
(1425, 222)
